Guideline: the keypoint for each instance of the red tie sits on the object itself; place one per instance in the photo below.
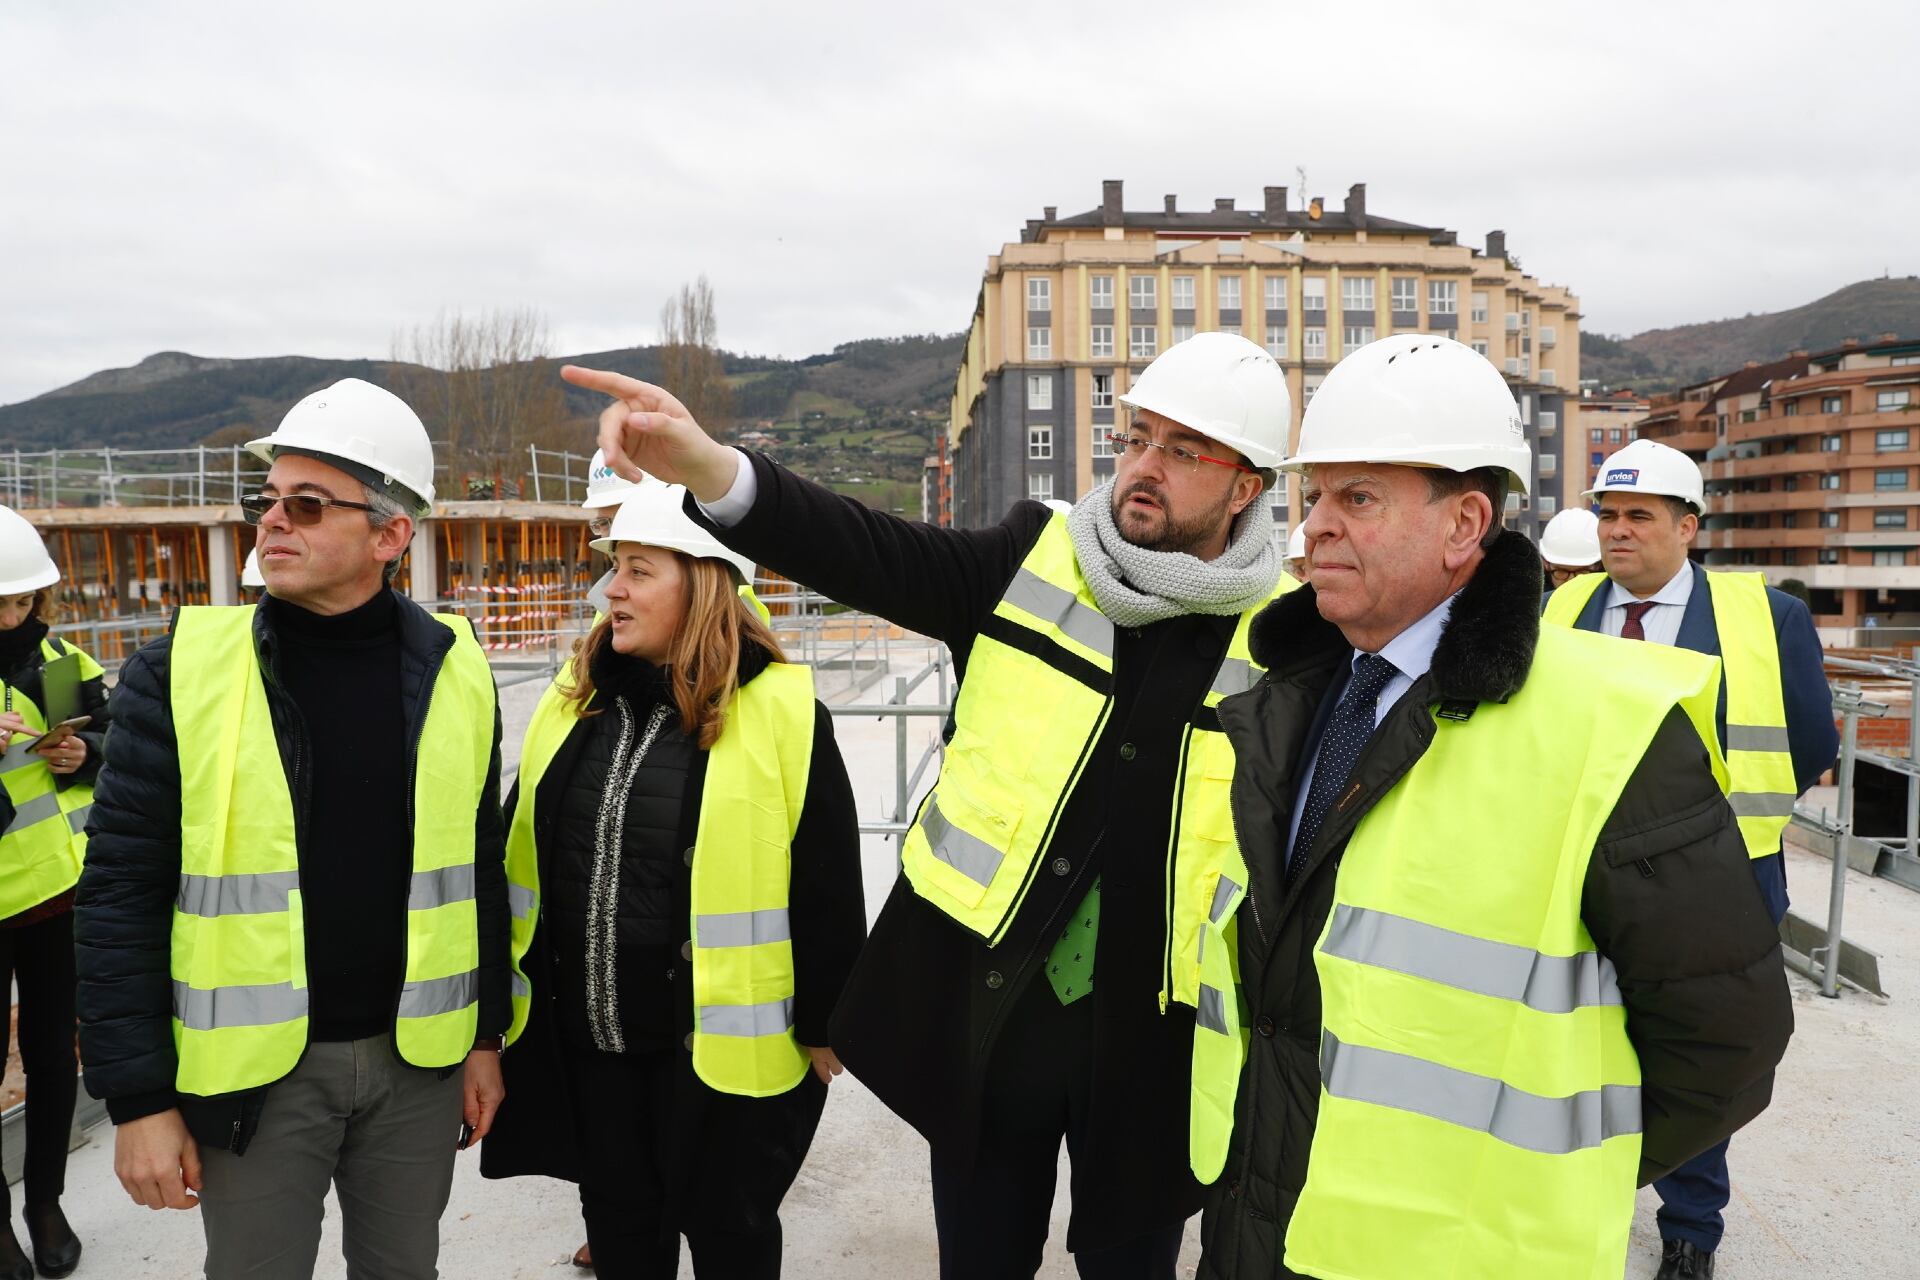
(1631, 628)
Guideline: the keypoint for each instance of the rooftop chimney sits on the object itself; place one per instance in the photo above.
(1497, 245)
(1170, 202)
(1223, 206)
(1276, 204)
(1110, 214)
(1032, 232)
(1889, 337)
(1051, 211)
(1849, 342)
(1357, 204)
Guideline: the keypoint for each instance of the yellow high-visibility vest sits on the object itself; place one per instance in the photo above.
(1759, 759)
(750, 805)
(43, 847)
(1037, 693)
(239, 942)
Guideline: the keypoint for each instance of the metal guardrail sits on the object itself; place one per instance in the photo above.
(1824, 960)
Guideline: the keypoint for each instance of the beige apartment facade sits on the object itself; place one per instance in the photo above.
(1067, 316)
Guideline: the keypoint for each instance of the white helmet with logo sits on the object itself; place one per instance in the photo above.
(1647, 466)
(1572, 539)
(605, 487)
(1418, 401)
(653, 515)
(1226, 388)
(355, 422)
(24, 563)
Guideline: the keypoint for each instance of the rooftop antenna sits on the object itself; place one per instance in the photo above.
(1302, 173)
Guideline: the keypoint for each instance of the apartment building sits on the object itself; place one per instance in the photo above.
(1812, 467)
(1080, 304)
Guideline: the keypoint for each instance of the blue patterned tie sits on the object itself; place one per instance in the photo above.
(1348, 729)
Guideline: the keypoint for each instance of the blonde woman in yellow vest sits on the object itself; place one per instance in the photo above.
(48, 790)
(683, 855)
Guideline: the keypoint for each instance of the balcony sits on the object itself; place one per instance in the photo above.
(1695, 440)
(1779, 464)
(1779, 427)
(1764, 539)
(1740, 504)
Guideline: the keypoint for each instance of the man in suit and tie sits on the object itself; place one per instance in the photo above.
(1775, 716)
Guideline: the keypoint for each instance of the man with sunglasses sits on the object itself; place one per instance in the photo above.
(292, 929)
(1017, 988)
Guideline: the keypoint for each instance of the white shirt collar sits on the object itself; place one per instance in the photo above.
(1677, 591)
(1411, 652)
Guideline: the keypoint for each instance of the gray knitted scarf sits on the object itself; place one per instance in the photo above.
(1135, 587)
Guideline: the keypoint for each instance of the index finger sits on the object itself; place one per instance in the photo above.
(606, 381)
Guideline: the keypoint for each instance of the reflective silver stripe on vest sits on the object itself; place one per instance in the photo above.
(439, 995)
(1212, 1010)
(38, 809)
(742, 928)
(18, 757)
(519, 901)
(1550, 984)
(1753, 804)
(1757, 737)
(1223, 891)
(522, 988)
(1552, 1126)
(1236, 675)
(770, 1019)
(1063, 609)
(256, 1006)
(968, 854)
(77, 818)
(252, 894)
(442, 885)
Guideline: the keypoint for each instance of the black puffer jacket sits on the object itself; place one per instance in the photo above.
(123, 921)
(1668, 898)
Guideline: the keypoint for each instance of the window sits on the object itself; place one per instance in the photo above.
(1831, 480)
(1598, 457)
(1277, 341)
(1829, 556)
(1889, 559)
(1894, 479)
(1598, 435)
(1180, 332)
(1039, 343)
(1313, 343)
(1275, 290)
(1233, 329)
(1039, 391)
(1142, 342)
(1526, 322)
(1790, 409)
(1102, 446)
(1103, 391)
(1829, 519)
(1308, 388)
(1039, 293)
(1479, 315)
(1443, 297)
(1831, 404)
(1141, 295)
(1888, 401)
(1040, 443)
(1100, 342)
(1183, 293)
(1480, 346)
(1100, 292)
(1613, 436)
(1313, 293)
(1887, 441)
(1749, 415)
(1547, 506)
(1829, 444)
(1355, 335)
(1890, 519)
(1229, 293)
(1406, 293)
(1356, 293)
(1040, 487)
(1904, 360)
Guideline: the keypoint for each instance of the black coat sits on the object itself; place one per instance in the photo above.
(1669, 898)
(923, 1009)
(123, 915)
(534, 1132)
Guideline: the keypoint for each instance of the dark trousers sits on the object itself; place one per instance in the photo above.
(992, 1218)
(40, 958)
(663, 1156)
(1693, 1196)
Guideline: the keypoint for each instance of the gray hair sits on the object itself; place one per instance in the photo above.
(384, 509)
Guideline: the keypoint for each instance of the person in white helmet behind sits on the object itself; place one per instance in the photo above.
(1467, 956)
(1297, 551)
(606, 490)
(251, 578)
(1570, 546)
(1774, 718)
(292, 927)
(1015, 990)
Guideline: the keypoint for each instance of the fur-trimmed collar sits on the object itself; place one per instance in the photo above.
(1484, 651)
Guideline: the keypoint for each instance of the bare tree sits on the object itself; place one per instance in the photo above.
(690, 364)
(483, 384)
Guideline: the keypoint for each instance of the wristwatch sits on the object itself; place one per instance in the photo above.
(496, 1043)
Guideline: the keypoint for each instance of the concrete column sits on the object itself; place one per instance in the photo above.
(223, 586)
(424, 575)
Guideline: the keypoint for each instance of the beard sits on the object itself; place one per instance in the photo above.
(1164, 530)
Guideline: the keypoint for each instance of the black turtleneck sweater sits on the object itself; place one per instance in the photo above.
(343, 673)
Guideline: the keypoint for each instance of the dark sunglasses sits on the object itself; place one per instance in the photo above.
(302, 508)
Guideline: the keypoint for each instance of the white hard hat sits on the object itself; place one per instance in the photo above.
(358, 423)
(654, 515)
(605, 486)
(24, 563)
(1416, 401)
(1057, 504)
(1572, 539)
(1223, 386)
(1647, 466)
(1297, 542)
(250, 575)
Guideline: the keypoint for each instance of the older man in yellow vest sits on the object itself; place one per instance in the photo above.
(292, 929)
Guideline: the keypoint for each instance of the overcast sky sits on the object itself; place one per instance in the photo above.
(262, 179)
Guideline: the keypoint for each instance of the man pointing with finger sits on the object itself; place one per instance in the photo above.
(1025, 981)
